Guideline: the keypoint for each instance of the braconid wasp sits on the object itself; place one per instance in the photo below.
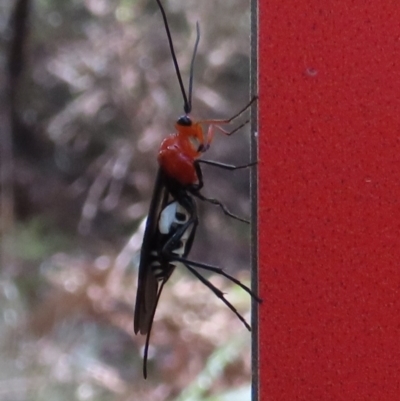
(172, 220)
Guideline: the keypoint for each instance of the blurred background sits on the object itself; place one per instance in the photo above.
(87, 93)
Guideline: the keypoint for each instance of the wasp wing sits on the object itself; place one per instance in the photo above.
(147, 289)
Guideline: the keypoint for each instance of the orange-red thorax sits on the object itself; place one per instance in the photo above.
(179, 150)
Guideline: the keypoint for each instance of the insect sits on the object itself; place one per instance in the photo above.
(172, 220)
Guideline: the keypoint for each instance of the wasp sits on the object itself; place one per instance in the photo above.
(172, 220)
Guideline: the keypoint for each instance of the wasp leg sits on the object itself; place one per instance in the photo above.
(218, 293)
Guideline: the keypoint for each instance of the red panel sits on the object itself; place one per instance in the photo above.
(329, 213)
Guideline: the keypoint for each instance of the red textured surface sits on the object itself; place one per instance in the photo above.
(329, 200)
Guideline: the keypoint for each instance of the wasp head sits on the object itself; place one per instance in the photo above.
(184, 121)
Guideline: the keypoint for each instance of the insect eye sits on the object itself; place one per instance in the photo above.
(185, 121)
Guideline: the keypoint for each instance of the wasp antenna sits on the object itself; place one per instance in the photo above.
(186, 106)
(192, 66)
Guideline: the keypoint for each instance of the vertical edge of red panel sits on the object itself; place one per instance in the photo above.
(254, 196)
